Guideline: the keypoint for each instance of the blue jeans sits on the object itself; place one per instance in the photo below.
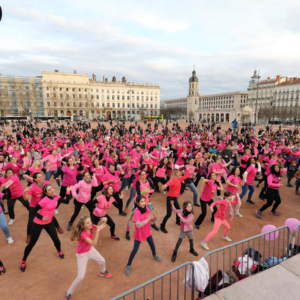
(125, 182)
(245, 189)
(49, 174)
(132, 194)
(136, 248)
(194, 190)
(3, 225)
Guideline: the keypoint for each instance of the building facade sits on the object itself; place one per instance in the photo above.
(76, 95)
(287, 93)
(21, 96)
(179, 104)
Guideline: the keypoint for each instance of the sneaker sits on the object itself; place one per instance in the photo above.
(67, 297)
(204, 245)
(238, 215)
(157, 258)
(127, 272)
(105, 274)
(226, 238)
(10, 240)
(164, 192)
(193, 252)
(56, 212)
(2, 269)
(23, 266)
(163, 229)
(258, 213)
(274, 213)
(69, 226)
(122, 214)
(289, 185)
(260, 198)
(197, 227)
(154, 227)
(197, 204)
(250, 202)
(60, 255)
(126, 189)
(114, 238)
(11, 221)
(126, 210)
(127, 236)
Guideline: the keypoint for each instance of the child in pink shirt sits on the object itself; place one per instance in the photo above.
(225, 206)
(142, 218)
(186, 216)
(87, 235)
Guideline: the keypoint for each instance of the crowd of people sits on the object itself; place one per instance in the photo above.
(94, 166)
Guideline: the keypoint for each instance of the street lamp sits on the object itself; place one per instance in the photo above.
(256, 98)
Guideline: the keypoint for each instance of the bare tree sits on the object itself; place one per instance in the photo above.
(191, 114)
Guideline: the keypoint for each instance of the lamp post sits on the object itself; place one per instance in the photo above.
(256, 98)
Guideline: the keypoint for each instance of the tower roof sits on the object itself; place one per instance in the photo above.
(194, 77)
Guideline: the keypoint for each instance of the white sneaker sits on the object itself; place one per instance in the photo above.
(226, 238)
(126, 189)
(11, 221)
(238, 215)
(219, 197)
(10, 240)
(56, 212)
(204, 245)
(164, 192)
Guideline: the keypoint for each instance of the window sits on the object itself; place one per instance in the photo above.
(113, 105)
(137, 106)
(79, 90)
(107, 97)
(142, 98)
(97, 97)
(86, 90)
(61, 104)
(127, 97)
(118, 97)
(74, 104)
(142, 105)
(123, 97)
(128, 105)
(80, 104)
(113, 91)
(151, 98)
(123, 105)
(47, 88)
(151, 106)
(118, 91)
(108, 91)
(61, 112)
(68, 104)
(55, 104)
(142, 93)
(98, 104)
(107, 104)
(74, 96)
(146, 98)
(92, 90)
(60, 88)
(113, 97)
(137, 98)
(97, 90)
(48, 103)
(86, 104)
(60, 95)
(67, 95)
(123, 91)
(132, 104)
(102, 104)
(102, 90)
(73, 89)
(67, 89)
(48, 95)
(155, 105)
(118, 104)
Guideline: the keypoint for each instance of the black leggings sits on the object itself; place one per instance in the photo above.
(118, 203)
(31, 217)
(156, 180)
(262, 192)
(203, 213)
(110, 223)
(263, 171)
(89, 206)
(272, 195)
(95, 190)
(11, 204)
(169, 211)
(35, 234)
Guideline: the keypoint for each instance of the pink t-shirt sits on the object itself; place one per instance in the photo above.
(16, 189)
(36, 193)
(116, 179)
(209, 190)
(48, 207)
(142, 233)
(69, 176)
(33, 170)
(83, 246)
(234, 180)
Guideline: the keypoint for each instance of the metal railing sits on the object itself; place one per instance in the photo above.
(156, 288)
(263, 253)
(294, 247)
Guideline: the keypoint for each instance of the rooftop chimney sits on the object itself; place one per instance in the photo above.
(95, 78)
(278, 78)
(74, 71)
(56, 71)
(114, 79)
(105, 79)
(268, 78)
(124, 79)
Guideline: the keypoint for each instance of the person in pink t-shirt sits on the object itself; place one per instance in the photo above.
(142, 218)
(208, 187)
(87, 235)
(186, 216)
(44, 212)
(233, 182)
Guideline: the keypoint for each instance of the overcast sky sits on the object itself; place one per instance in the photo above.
(153, 41)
